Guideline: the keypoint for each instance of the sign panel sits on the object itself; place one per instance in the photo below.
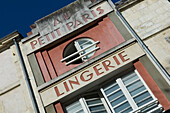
(90, 74)
(55, 28)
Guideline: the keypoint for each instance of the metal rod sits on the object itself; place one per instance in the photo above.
(79, 51)
(26, 77)
(81, 56)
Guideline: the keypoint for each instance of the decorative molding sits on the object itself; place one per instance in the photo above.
(10, 87)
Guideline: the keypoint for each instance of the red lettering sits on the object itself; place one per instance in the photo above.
(33, 43)
(77, 23)
(57, 91)
(94, 13)
(97, 70)
(48, 38)
(66, 86)
(74, 82)
(56, 22)
(69, 25)
(116, 60)
(100, 10)
(41, 41)
(53, 35)
(58, 31)
(107, 65)
(122, 57)
(90, 76)
(85, 17)
(67, 16)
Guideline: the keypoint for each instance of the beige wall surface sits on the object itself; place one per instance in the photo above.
(14, 96)
(150, 20)
(148, 16)
(160, 47)
(7, 69)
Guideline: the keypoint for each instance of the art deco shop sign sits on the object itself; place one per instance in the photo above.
(54, 28)
(90, 74)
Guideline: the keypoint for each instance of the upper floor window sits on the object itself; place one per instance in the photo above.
(79, 50)
(123, 95)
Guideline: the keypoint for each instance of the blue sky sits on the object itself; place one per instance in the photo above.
(20, 14)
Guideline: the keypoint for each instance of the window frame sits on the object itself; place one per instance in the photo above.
(126, 93)
(129, 98)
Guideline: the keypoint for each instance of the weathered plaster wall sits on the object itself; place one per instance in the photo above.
(148, 16)
(7, 69)
(160, 48)
(150, 20)
(14, 97)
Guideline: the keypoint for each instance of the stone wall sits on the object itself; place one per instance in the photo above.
(14, 96)
(148, 17)
(150, 20)
(160, 47)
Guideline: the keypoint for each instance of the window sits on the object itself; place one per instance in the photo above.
(123, 95)
(79, 51)
(89, 103)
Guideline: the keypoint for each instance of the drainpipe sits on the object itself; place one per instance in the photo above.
(142, 44)
(26, 77)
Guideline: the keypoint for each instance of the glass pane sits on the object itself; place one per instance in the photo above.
(83, 43)
(147, 109)
(144, 101)
(134, 85)
(69, 50)
(111, 89)
(119, 100)
(122, 107)
(95, 104)
(141, 97)
(115, 95)
(126, 110)
(96, 108)
(74, 108)
(80, 111)
(137, 90)
(129, 78)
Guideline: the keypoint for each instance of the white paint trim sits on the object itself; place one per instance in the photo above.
(110, 106)
(80, 50)
(126, 94)
(84, 106)
(82, 55)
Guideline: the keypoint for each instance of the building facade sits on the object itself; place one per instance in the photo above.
(14, 94)
(94, 56)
